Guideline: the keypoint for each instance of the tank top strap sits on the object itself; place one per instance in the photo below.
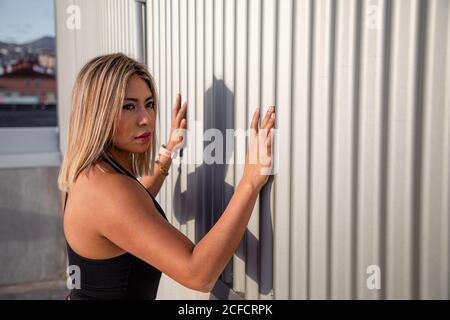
(65, 201)
(120, 169)
(117, 166)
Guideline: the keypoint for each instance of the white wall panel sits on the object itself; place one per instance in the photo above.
(363, 131)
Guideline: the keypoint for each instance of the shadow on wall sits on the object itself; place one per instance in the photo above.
(208, 193)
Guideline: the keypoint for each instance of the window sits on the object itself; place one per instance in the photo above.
(28, 119)
(28, 63)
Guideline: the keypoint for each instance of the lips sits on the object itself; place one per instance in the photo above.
(144, 135)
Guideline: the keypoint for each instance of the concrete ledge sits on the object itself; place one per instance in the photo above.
(30, 160)
(29, 147)
(48, 290)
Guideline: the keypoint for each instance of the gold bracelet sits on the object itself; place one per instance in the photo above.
(162, 168)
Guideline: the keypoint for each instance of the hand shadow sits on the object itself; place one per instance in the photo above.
(207, 194)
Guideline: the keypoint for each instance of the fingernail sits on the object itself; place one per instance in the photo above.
(272, 108)
(273, 116)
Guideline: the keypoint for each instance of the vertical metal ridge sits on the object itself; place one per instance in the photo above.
(191, 115)
(370, 146)
(163, 94)
(115, 39)
(433, 111)
(299, 97)
(340, 238)
(156, 75)
(446, 184)
(331, 89)
(358, 161)
(263, 209)
(320, 152)
(201, 105)
(108, 24)
(254, 234)
(283, 98)
(209, 78)
(230, 89)
(120, 37)
(384, 138)
(183, 63)
(134, 21)
(175, 61)
(272, 195)
(179, 45)
(127, 28)
(169, 101)
(199, 87)
(355, 143)
(421, 57)
(193, 112)
(240, 121)
(310, 137)
(291, 144)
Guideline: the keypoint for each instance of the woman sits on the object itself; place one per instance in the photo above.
(116, 232)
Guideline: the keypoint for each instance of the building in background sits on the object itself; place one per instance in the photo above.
(28, 83)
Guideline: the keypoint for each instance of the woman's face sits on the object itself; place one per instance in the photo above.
(138, 117)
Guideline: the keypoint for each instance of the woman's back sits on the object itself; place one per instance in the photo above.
(106, 271)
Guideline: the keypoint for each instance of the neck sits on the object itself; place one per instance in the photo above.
(122, 157)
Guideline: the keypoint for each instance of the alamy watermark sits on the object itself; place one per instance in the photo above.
(74, 19)
(373, 18)
(214, 146)
(374, 280)
(73, 277)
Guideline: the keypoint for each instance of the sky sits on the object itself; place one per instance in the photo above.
(22, 21)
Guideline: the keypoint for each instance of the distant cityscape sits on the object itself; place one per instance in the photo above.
(28, 83)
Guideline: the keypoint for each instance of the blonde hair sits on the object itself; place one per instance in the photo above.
(97, 99)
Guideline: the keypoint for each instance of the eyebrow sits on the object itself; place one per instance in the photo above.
(134, 99)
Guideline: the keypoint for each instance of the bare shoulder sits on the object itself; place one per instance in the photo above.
(105, 190)
(113, 197)
(89, 205)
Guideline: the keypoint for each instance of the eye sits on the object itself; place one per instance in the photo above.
(150, 104)
(128, 106)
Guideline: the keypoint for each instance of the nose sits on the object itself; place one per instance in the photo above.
(143, 116)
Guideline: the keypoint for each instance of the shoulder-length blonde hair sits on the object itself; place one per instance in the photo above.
(97, 99)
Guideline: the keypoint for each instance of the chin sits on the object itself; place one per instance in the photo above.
(141, 149)
(138, 149)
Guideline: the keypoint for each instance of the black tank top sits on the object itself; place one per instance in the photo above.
(121, 277)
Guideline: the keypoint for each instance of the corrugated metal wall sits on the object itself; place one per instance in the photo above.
(121, 24)
(363, 138)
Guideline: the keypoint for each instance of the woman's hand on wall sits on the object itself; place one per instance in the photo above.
(258, 161)
(178, 126)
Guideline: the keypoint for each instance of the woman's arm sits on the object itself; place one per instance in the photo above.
(130, 220)
(215, 249)
(154, 182)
